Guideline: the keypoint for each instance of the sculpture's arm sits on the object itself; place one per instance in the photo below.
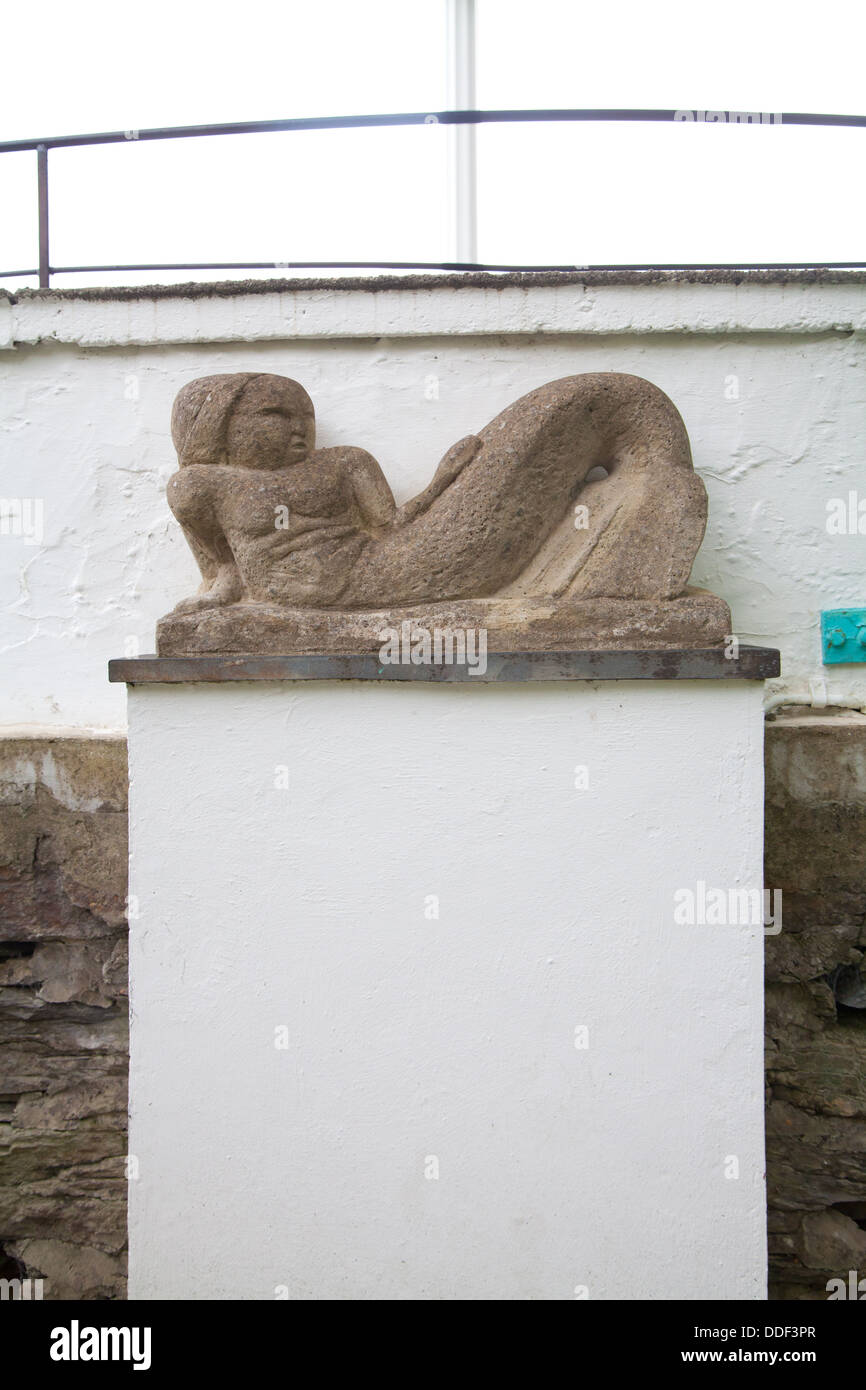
(371, 491)
(190, 496)
(451, 467)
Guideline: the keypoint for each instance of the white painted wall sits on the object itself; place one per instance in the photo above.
(769, 378)
(259, 908)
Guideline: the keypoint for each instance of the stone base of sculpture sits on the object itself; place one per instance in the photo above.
(695, 619)
(414, 1006)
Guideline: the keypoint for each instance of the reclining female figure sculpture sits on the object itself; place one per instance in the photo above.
(510, 528)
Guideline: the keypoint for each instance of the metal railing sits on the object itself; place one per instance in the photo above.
(45, 269)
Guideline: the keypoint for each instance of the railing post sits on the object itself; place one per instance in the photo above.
(42, 179)
(460, 41)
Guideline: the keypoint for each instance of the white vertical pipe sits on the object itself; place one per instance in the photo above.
(463, 217)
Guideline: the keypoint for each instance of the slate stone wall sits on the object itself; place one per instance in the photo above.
(815, 838)
(63, 1014)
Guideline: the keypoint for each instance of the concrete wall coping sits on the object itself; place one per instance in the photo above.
(469, 305)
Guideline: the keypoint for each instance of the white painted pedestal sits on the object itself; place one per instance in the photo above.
(412, 1017)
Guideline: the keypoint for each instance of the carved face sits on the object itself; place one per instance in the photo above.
(271, 426)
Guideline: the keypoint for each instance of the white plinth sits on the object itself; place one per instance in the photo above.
(311, 1045)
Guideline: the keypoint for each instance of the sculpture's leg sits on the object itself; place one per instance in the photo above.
(509, 513)
(626, 536)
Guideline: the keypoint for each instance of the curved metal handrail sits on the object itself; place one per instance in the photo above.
(43, 144)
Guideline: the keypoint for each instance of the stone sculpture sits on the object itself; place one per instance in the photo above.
(570, 521)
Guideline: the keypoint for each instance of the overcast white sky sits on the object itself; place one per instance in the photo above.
(547, 194)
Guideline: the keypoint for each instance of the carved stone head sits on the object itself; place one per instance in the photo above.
(245, 420)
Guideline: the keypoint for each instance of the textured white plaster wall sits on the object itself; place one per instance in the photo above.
(769, 378)
(632, 1167)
